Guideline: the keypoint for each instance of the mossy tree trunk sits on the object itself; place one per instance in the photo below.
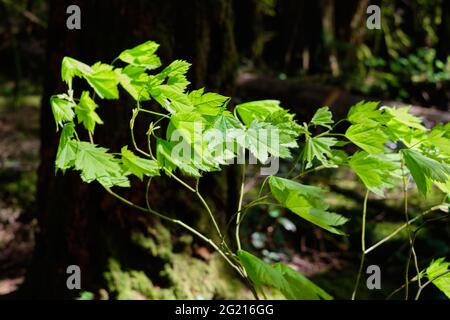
(123, 253)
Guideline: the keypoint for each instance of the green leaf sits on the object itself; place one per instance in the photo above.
(368, 136)
(425, 170)
(139, 166)
(67, 149)
(260, 272)
(96, 164)
(176, 73)
(142, 56)
(375, 171)
(290, 283)
(307, 202)
(86, 114)
(402, 116)
(263, 140)
(224, 146)
(298, 286)
(171, 99)
(439, 138)
(436, 271)
(71, 67)
(170, 160)
(133, 80)
(364, 111)
(225, 122)
(257, 110)
(176, 68)
(323, 117)
(190, 126)
(209, 103)
(104, 81)
(318, 148)
(285, 122)
(62, 109)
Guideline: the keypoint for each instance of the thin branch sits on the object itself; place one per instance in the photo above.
(238, 218)
(176, 221)
(363, 244)
(428, 282)
(205, 204)
(396, 231)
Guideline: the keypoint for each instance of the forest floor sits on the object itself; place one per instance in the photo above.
(19, 159)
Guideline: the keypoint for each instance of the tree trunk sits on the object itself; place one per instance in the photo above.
(444, 32)
(123, 253)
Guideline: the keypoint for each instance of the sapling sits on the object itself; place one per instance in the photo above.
(197, 133)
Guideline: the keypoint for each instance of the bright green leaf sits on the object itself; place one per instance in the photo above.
(323, 117)
(375, 171)
(142, 56)
(86, 114)
(318, 148)
(139, 166)
(437, 272)
(365, 111)
(424, 170)
(62, 109)
(104, 82)
(133, 80)
(207, 103)
(96, 164)
(171, 99)
(71, 67)
(67, 149)
(368, 136)
(257, 110)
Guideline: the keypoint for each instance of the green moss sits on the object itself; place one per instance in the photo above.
(183, 276)
(157, 242)
(189, 278)
(192, 278)
(127, 285)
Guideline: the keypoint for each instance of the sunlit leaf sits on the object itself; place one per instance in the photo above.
(322, 117)
(307, 202)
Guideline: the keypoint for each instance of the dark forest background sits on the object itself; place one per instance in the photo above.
(307, 54)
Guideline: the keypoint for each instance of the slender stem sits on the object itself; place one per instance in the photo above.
(336, 135)
(400, 288)
(339, 122)
(155, 113)
(396, 231)
(363, 244)
(133, 118)
(238, 218)
(297, 160)
(170, 174)
(318, 168)
(249, 205)
(128, 202)
(208, 209)
(428, 282)
(91, 138)
(262, 186)
(408, 226)
(176, 221)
